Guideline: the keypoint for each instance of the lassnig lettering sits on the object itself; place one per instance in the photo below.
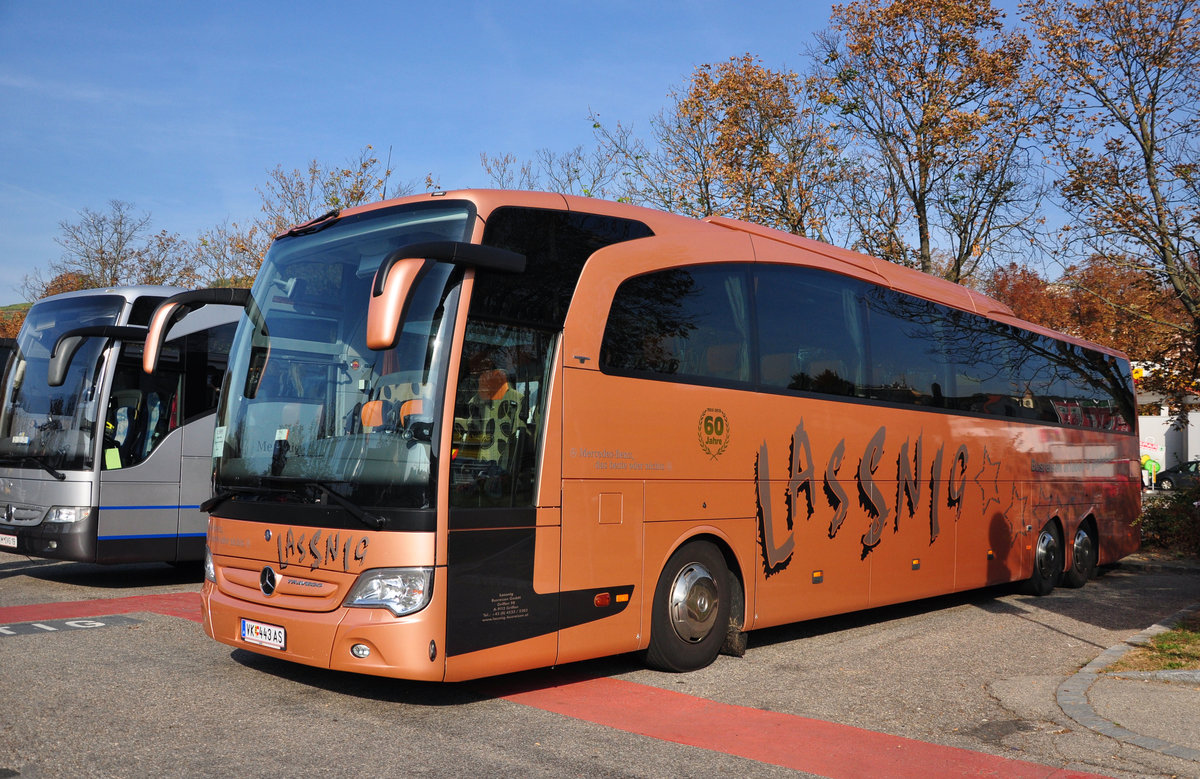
(947, 483)
(318, 551)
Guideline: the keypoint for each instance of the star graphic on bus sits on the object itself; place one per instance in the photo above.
(988, 481)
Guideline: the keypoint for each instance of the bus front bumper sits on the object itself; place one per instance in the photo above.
(358, 640)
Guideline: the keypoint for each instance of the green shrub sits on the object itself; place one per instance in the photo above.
(1171, 521)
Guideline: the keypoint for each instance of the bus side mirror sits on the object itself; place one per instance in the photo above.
(69, 342)
(403, 269)
(177, 307)
(160, 322)
(386, 307)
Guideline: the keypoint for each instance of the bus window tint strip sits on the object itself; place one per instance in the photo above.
(789, 329)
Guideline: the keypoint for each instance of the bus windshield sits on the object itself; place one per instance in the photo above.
(54, 427)
(310, 416)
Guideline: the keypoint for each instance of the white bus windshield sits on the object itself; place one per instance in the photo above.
(310, 414)
(55, 426)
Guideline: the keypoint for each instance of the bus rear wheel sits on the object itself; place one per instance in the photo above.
(1084, 552)
(1047, 561)
(690, 615)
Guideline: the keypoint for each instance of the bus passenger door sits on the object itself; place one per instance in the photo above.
(195, 485)
(600, 603)
(140, 462)
(139, 505)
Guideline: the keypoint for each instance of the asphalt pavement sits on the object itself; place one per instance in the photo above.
(1158, 711)
(105, 672)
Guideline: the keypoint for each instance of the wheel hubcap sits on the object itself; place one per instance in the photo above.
(693, 603)
(1082, 549)
(1047, 553)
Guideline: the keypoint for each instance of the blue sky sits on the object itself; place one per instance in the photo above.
(182, 108)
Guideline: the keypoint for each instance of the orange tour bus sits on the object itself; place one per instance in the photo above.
(469, 433)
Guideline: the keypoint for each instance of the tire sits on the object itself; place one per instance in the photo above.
(690, 616)
(1166, 484)
(1084, 553)
(1047, 561)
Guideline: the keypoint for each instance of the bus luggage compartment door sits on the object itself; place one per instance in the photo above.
(601, 606)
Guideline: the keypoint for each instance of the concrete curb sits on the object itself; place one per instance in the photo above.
(1158, 566)
(1073, 693)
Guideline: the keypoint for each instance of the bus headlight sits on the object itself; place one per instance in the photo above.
(210, 570)
(399, 590)
(68, 514)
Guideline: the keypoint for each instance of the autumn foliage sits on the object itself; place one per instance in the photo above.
(1050, 159)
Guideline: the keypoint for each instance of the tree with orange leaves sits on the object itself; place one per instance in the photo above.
(1097, 300)
(11, 319)
(1123, 125)
(936, 92)
(742, 140)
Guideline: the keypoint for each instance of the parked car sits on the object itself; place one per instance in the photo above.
(1182, 475)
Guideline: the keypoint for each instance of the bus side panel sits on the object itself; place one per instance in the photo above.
(537, 652)
(139, 507)
(984, 464)
(522, 653)
(601, 568)
(492, 601)
(1119, 536)
(803, 572)
(907, 560)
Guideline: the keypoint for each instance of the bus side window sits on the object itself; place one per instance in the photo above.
(810, 331)
(206, 356)
(692, 323)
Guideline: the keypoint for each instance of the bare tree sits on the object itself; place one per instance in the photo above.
(110, 248)
(294, 197)
(575, 172)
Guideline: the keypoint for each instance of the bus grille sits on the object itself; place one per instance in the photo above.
(295, 588)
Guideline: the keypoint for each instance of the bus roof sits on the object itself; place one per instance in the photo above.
(769, 245)
(132, 292)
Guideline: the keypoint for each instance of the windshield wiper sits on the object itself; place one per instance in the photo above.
(25, 459)
(209, 505)
(216, 500)
(370, 520)
(315, 225)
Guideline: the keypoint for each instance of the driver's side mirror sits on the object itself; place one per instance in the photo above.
(402, 270)
(69, 342)
(177, 307)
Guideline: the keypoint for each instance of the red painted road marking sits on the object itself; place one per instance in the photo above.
(799, 743)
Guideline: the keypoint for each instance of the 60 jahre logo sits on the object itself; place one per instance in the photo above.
(713, 432)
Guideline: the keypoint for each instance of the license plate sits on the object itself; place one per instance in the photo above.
(7, 541)
(271, 636)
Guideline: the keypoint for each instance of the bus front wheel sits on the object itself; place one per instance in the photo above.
(1047, 561)
(690, 615)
